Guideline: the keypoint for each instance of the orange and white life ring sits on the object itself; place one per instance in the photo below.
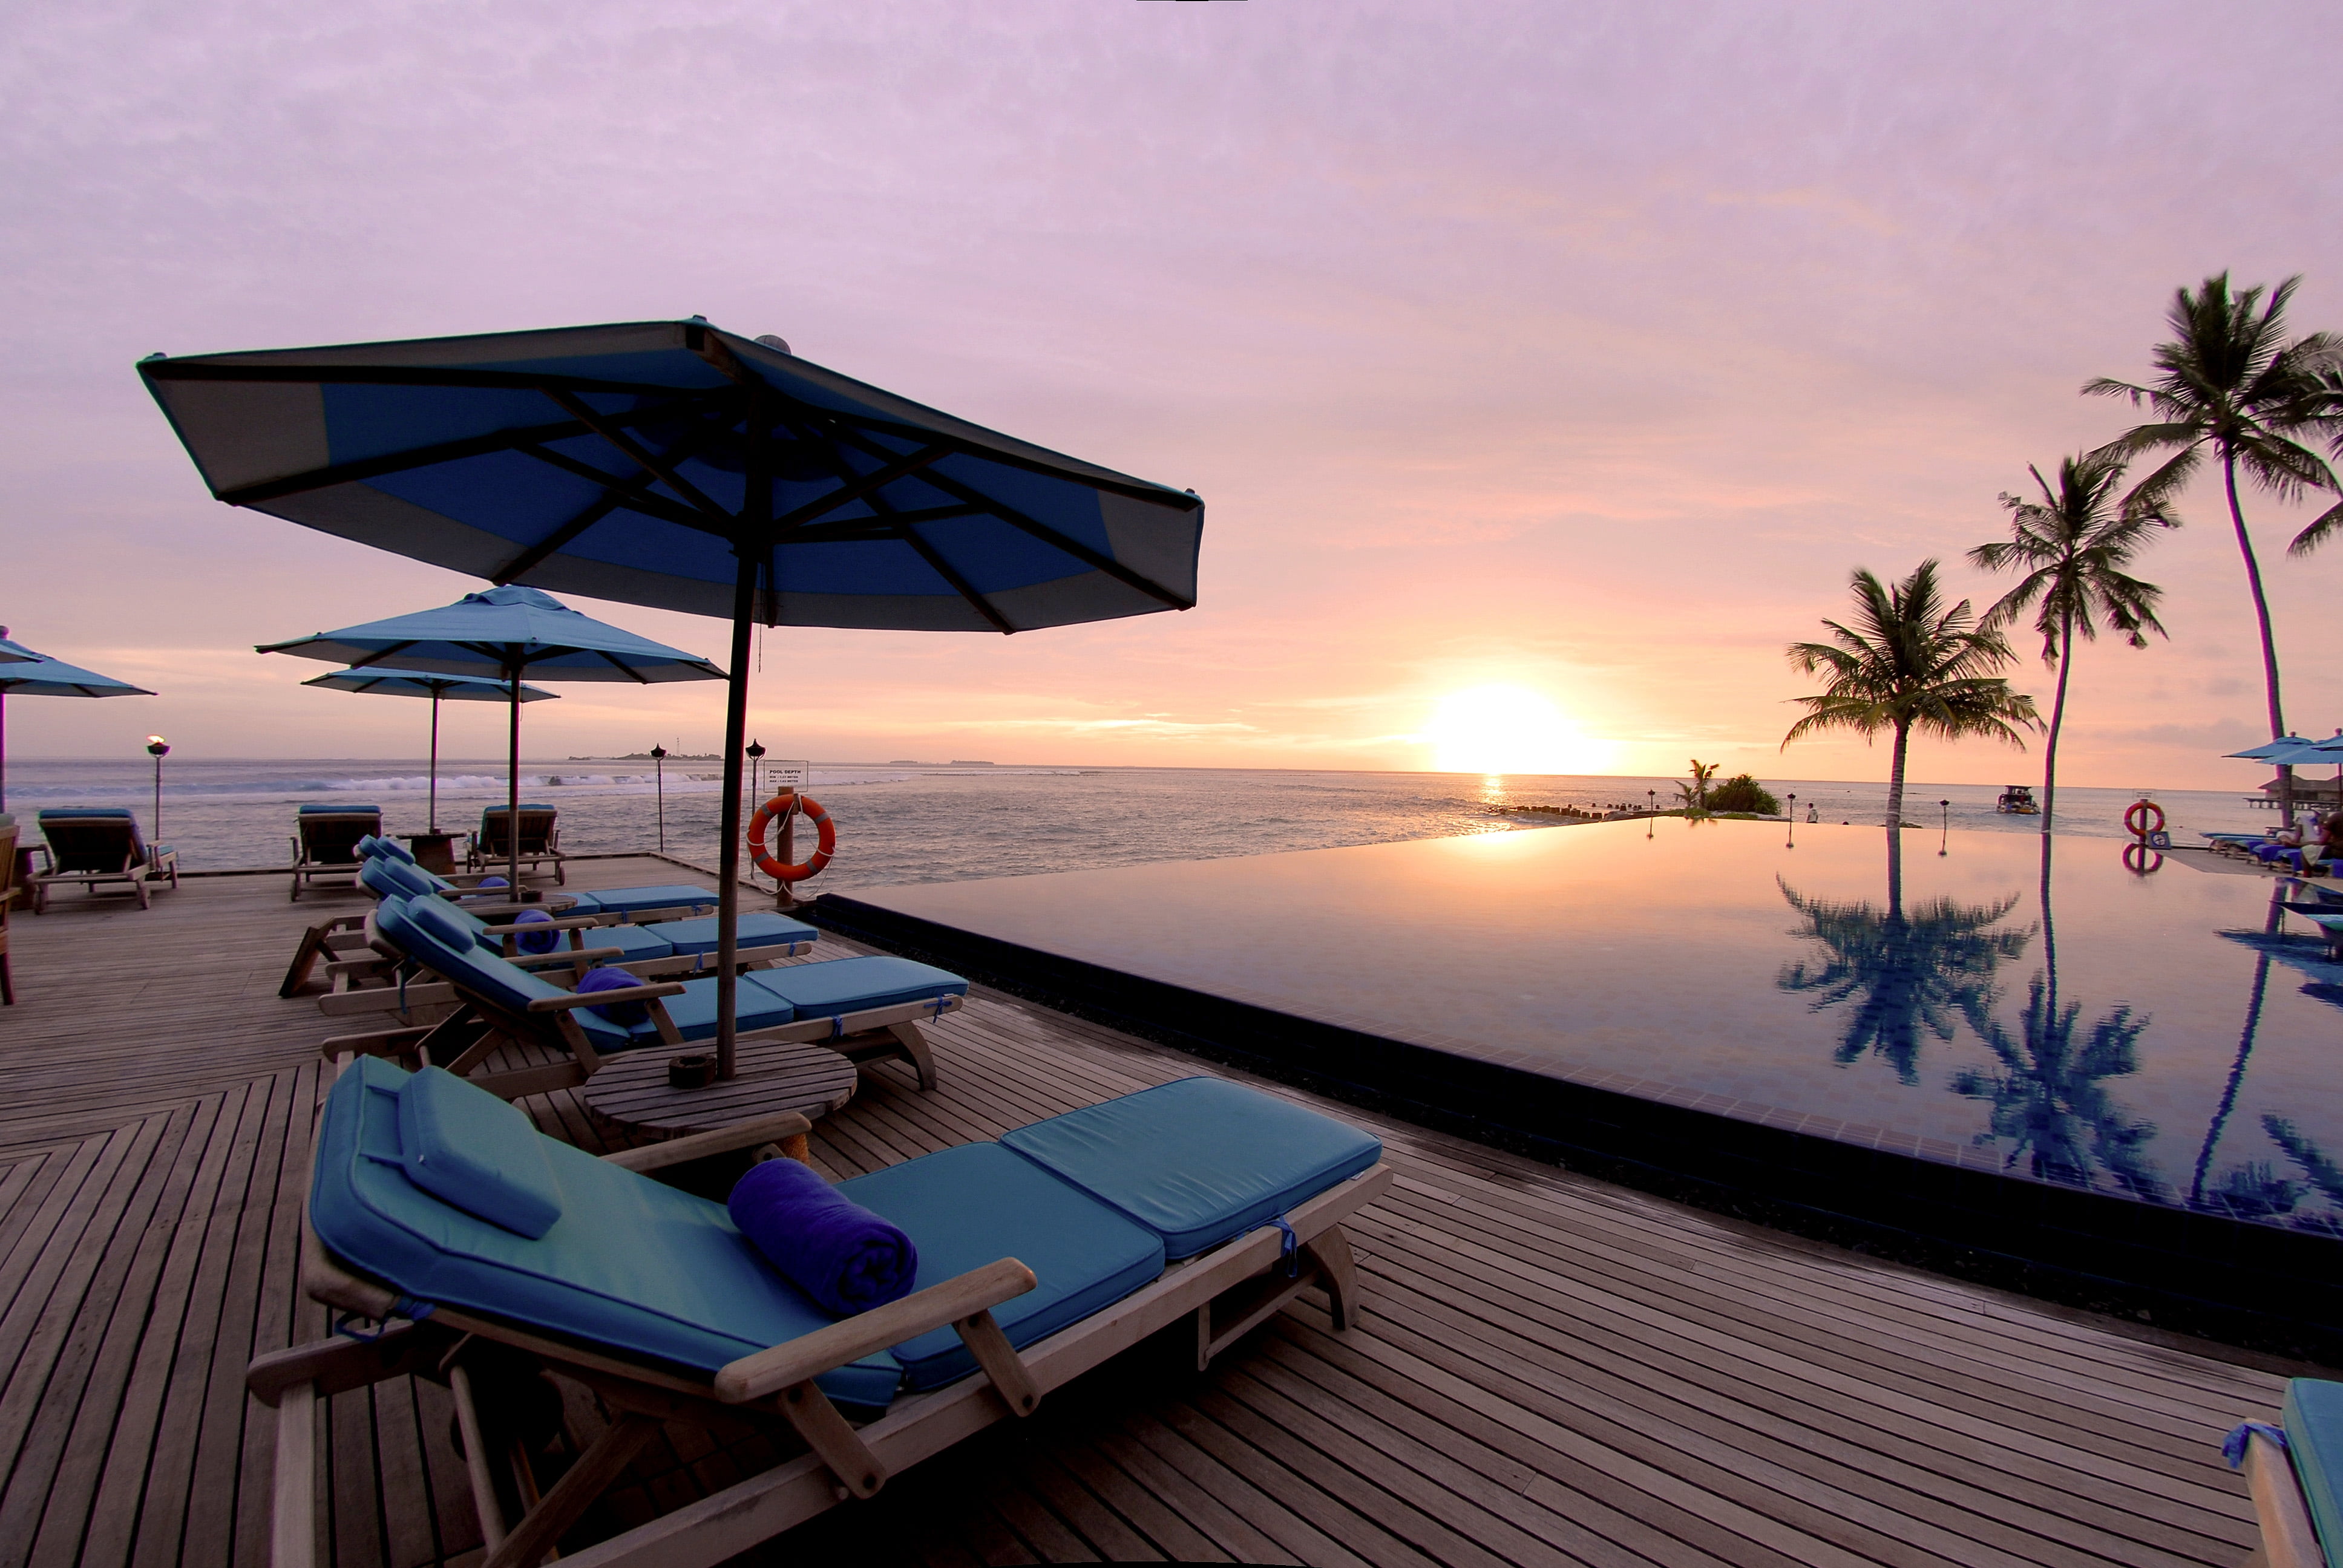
(825, 846)
(2145, 817)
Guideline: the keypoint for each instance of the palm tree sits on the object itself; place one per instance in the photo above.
(2072, 545)
(2231, 381)
(1695, 792)
(1906, 664)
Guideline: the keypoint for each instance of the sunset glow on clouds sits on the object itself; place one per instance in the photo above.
(1574, 353)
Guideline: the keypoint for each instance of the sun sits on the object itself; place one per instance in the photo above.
(1509, 729)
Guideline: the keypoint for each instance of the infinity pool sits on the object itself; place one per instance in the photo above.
(2171, 1037)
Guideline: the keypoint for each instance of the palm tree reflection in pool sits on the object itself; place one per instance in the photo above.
(1903, 972)
(2048, 1096)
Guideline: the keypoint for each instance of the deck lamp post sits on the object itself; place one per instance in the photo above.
(658, 782)
(1792, 842)
(755, 752)
(1944, 827)
(157, 747)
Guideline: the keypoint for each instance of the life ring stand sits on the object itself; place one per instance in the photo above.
(825, 846)
(2142, 859)
(2145, 817)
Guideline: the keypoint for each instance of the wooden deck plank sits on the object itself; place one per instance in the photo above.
(1550, 1370)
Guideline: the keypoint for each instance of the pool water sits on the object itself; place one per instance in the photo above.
(2171, 1037)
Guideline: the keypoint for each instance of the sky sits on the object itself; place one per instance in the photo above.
(1578, 351)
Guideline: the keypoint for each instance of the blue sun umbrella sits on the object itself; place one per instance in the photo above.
(375, 682)
(668, 463)
(499, 635)
(24, 673)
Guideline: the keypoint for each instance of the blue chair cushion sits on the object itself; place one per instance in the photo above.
(83, 813)
(632, 900)
(337, 811)
(966, 1207)
(2314, 1437)
(694, 1012)
(633, 943)
(1198, 1161)
(474, 1151)
(758, 928)
(850, 985)
(631, 1263)
(394, 850)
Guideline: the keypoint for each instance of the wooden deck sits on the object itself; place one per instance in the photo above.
(1550, 1370)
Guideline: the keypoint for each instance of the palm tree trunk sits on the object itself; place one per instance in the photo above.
(2261, 613)
(2058, 717)
(1895, 777)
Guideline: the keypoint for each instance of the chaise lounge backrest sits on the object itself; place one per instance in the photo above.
(329, 835)
(536, 828)
(92, 839)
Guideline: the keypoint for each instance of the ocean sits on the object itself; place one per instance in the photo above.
(928, 823)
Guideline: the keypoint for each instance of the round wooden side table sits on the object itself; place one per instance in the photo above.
(632, 1089)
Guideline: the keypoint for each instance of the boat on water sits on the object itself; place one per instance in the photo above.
(2018, 801)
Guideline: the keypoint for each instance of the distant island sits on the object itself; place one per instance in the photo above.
(647, 757)
(971, 762)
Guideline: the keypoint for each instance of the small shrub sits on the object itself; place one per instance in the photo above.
(1743, 794)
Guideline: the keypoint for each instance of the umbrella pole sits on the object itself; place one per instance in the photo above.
(512, 791)
(434, 761)
(728, 886)
(4, 750)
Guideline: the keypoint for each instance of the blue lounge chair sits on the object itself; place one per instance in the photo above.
(93, 846)
(865, 1008)
(340, 938)
(2296, 1475)
(1040, 1256)
(366, 981)
(325, 840)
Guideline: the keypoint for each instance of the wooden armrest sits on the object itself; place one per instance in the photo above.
(558, 923)
(605, 998)
(809, 1355)
(699, 1145)
(562, 956)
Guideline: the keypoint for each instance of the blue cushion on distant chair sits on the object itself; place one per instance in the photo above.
(850, 985)
(626, 1014)
(395, 850)
(633, 900)
(1198, 1161)
(538, 942)
(966, 1207)
(337, 810)
(2314, 1437)
(464, 1145)
(758, 928)
(81, 813)
(632, 1263)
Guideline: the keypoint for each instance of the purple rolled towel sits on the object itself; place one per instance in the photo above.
(625, 1014)
(536, 942)
(845, 1256)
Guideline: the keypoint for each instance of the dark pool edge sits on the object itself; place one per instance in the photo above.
(2256, 1288)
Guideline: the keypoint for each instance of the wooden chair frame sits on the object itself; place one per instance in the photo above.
(1240, 1285)
(485, 849)
(481, 1025)
(157, 867)
(309, 858)
(9, 892)
(2289, 1541)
